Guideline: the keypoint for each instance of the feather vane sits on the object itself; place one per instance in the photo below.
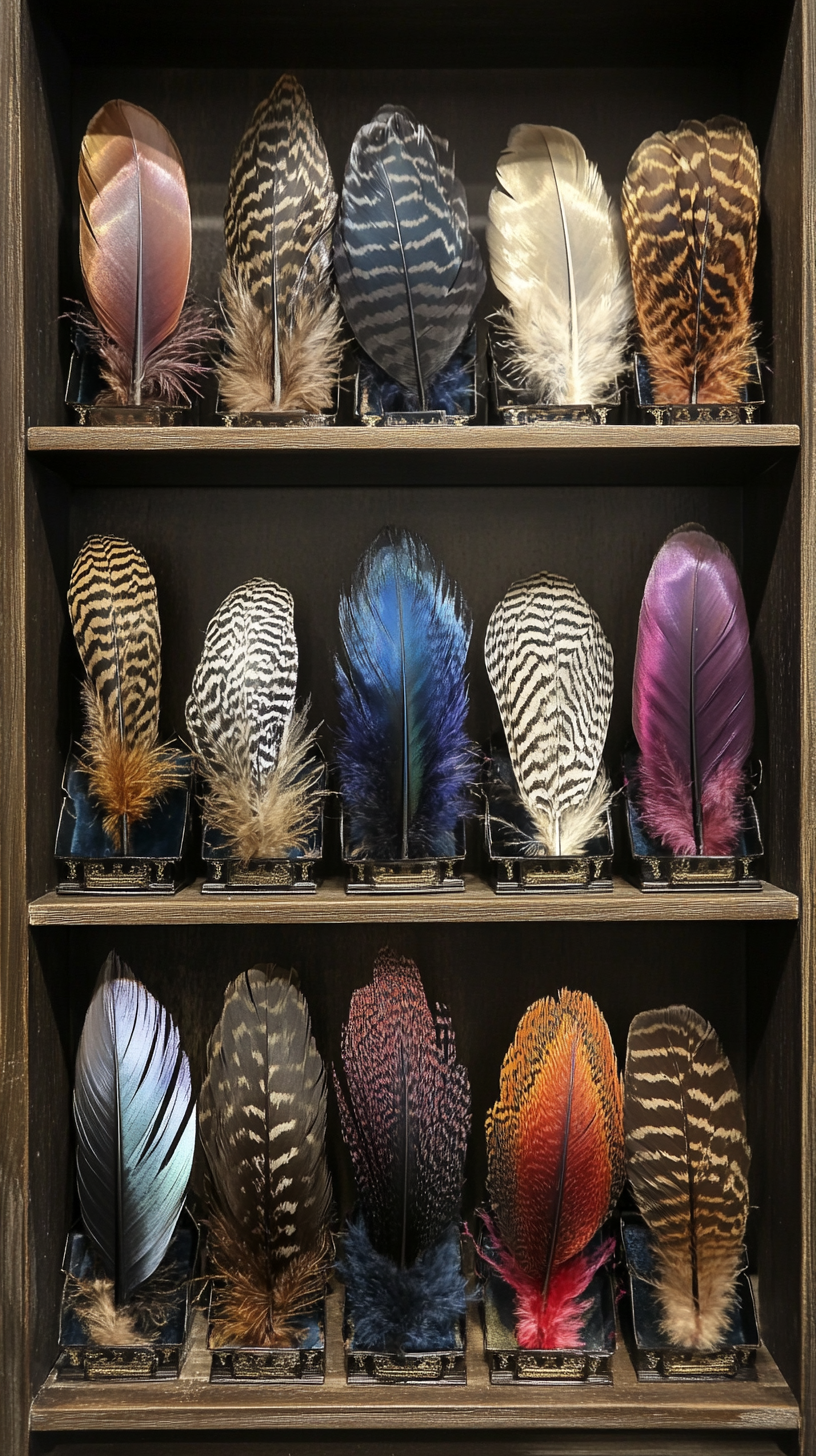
(262, 1119)
(693, 696)
(555, 1163)
(558, 254)
(403, 758)
(254, 749)
(409, 270)
(550, 667)
(135, 1124)
(691, 209)
(282, 314)
(687, 1159)
(114, 613)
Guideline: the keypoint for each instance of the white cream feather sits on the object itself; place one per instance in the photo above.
(558, 254)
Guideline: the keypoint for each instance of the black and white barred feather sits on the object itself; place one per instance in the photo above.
(687, 1159)
(550, 667)
(252, 747)
(409, 271)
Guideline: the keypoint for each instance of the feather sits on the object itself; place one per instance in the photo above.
(262, 1119)
(691, 208)
(403, 759)
(687, 1159)
(409, 271)
(135, 1127)
(558, 254)
(550, 667)
(693, 696)
(114, 613)
(254, 750)
(555, 1164)
(414, 1309)
(135, 242)
(282, 315)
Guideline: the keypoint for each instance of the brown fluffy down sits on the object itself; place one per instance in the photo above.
(280, 818)
(703, 1326)
(310, 353)
(123, 779)
(258, 1305)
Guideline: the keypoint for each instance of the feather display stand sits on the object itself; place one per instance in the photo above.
(135, 241)
(282, 321)
(262, 771)
(410, 274)
(555, 1171)
(687, 1161)
(548, 826)
(262, 1119)
(126, 1303)
(691, 208)
(404, 760)
(124, 819)
(405, 1115)
(558, 255)
(689, 808)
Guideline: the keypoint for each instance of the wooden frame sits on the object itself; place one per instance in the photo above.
(57, 480)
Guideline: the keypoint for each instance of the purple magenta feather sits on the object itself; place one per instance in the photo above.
(693, 696)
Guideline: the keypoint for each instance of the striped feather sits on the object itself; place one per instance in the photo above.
(409, 271)
(687, 1159)
(115, 618)
(550, 667)
(253, 749)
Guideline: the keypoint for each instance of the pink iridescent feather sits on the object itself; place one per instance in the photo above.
(693, 697)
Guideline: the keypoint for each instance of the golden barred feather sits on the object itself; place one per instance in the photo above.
(687, 1158)
(691, 208)
(115, 617)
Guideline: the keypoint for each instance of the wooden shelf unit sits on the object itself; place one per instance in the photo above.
(211, 507)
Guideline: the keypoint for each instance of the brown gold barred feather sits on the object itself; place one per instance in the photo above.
(115, 617)
(691, 207)
(687, 1159)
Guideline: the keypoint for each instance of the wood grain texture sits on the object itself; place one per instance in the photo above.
(405, 437)
(193, 1401)
(478, 905)
(408, 1443)
(14, 1311)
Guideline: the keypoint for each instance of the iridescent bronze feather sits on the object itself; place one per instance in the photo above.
(691, 207)
(114, 613)
(687, 1159)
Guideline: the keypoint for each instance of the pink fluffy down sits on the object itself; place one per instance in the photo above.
(554, 1321)
(664, 797)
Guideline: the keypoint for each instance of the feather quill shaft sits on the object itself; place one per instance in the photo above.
(558, 254)
(550, 667)
(555, 1162)
(687, 1159)
(282, 315)
(262, 1119)
(691, 209)
(403, 758)
(135, 1124)
(409, 270)
(114, 614)
(255, 751)
(693, 696)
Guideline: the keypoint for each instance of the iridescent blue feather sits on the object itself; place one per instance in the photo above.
(404, 759)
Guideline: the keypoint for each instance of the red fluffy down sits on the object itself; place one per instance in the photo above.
(664, 797)
(557, 1321)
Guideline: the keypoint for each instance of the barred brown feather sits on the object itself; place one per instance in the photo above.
(687, 1161)
(114, 614)
(282, 314)
(691, 208)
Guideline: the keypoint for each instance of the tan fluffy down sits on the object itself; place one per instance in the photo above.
(310, 352)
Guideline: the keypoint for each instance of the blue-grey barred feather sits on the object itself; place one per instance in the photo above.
(404, 759)
(408, 269)
(135, 1126)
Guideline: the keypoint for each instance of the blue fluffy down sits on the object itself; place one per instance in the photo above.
(450, 390)
(403, 1310)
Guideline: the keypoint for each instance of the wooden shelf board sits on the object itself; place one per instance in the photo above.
(191, 1401)
(331, 906)
(349, 437)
